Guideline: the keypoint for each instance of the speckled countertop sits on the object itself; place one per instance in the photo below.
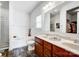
(63, 43)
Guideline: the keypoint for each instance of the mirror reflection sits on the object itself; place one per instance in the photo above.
(71, 20)
(55, 21)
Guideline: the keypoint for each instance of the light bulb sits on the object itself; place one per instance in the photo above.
(55, 10)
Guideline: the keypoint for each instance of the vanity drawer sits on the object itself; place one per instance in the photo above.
(38, 40)
(47, 45)
(38, 49)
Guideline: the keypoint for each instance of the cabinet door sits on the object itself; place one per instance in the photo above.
(47, 49)
(59, 51)
(47, 45)
(47, 52)
(38, 49)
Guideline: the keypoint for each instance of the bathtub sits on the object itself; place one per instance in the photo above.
(17, 43)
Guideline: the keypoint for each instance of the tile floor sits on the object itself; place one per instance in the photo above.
(22, 52)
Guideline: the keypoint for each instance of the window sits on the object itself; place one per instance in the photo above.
(39, 21)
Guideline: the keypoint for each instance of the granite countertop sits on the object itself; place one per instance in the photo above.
(63, 43)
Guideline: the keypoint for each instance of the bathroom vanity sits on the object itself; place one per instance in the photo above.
(54, 47)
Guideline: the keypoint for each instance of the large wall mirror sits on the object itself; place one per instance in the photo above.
(71, 20)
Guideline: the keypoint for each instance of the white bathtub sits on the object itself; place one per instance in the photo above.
(17, 43)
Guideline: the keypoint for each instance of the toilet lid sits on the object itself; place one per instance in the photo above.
(30, 42)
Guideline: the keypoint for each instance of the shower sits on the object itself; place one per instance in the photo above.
(4, 25)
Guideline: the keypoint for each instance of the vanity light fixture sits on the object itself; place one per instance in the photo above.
(55, 10)
(49, 6)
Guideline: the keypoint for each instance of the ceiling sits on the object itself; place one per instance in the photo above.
(26, 6)
(57, 9)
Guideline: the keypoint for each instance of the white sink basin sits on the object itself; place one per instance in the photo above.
(51, 38)
(54, 39)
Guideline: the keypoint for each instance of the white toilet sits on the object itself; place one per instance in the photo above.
(30, 43)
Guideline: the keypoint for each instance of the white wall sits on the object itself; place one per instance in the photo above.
(63, 14)
(46, 22)
(18, 26)
(37, 11)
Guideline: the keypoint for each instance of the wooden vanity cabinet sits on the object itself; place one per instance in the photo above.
(46, 49)
(42, 48)
(39, 47)
(38, 40)
(60, 52)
